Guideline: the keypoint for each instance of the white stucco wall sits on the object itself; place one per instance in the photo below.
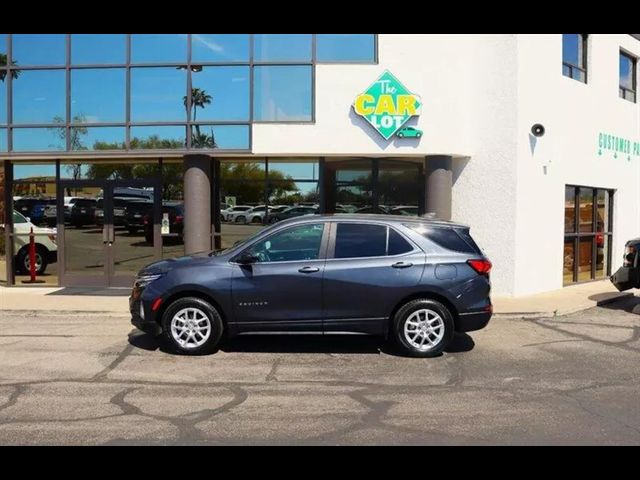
(481, 94)
(573, 114)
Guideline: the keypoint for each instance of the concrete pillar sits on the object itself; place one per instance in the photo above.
(439, 178)
(197, 204)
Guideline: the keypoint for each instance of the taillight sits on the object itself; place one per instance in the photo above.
(145, 219)
(179, 218)
(482, 266)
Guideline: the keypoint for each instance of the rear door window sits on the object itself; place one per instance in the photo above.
(358, 240)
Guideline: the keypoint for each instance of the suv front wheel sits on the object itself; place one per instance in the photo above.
(192, 326)
(423, 327)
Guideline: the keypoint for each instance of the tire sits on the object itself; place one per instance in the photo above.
(401, 135)
(22, 260)
(256, 220)
(240, 219)
(192, 345)
(440, 334)
(273, 220)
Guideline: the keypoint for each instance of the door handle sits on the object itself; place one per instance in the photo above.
(309, 270)
(402, 265)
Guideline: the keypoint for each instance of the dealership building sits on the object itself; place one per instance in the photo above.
(533, 140)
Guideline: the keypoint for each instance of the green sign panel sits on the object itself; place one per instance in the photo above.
(618, 146)
(387, 105)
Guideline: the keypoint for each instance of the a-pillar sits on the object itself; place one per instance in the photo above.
(197, 203)
(439, 185)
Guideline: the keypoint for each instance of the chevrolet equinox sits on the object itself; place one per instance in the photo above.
(411, 279)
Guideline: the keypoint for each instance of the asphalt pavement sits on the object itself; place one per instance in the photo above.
(90, 379)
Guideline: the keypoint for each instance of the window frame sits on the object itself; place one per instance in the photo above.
(622, 91)
(577, 235)
(584, 39)
(334, 233)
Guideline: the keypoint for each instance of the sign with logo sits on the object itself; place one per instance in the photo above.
(620, 147)
(387, 105)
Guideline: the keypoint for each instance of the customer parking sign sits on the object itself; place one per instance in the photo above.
(387, 105)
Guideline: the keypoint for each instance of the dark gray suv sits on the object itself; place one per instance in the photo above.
(412, 279)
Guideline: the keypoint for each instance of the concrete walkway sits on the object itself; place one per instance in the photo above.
(87, 301)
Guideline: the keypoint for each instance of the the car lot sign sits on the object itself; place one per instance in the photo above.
(387, 105)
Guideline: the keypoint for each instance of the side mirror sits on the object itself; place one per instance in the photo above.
(246, 258)
(28, 219)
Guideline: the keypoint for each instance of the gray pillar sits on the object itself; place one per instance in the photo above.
(439, 178)
(197, 204)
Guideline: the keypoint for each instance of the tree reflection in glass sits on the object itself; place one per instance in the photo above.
(199, 99)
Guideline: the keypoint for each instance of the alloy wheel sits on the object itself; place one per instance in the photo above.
(190, 328)
(424, 329)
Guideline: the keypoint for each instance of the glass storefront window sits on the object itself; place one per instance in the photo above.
(299, 169)
(345, 47)
(220, 93)
(3, 221)
(39, 49)
(3, 140)
(97, 138)
(569, 258)
(3, 94)
(400, 186)
(39, 96)
(95, 49)
(158, 138)
(158, 95)
(213, 47)
(282, 93)
(569, 209)
(34, 171)
(34, 206)
(593, 237)
(586, 210)
(158, 48)
(51, 139)
(585, 259)
(243, 170)
(227, 137)
(98, 95)
(282, 47)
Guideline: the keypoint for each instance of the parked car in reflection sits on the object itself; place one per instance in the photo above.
(407, 210)
(225, 214)
(134, 213)
(119, 205)
(175, 211)
(33, 207)
(292, 212)
(83, 212)
(45, 243)
(253, 215)
(381, 209)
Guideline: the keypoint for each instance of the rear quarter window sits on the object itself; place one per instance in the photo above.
(457, 240)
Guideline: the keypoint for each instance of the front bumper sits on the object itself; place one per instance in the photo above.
(145, 324)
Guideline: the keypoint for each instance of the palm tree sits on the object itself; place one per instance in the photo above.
(199, 98)
(3, 63)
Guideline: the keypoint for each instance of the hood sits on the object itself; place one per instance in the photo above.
(163, 266)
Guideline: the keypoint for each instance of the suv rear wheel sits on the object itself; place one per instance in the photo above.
(192, 326)
(423, 327)
(23, 262)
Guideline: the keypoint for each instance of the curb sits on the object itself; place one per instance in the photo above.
(561, 313)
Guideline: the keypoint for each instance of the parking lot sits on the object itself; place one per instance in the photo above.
(95, 380)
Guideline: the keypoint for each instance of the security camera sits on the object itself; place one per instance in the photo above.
(537, 130)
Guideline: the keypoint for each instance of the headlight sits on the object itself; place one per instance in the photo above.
(144, 280)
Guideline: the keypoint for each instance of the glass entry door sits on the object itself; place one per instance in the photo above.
(109, 230)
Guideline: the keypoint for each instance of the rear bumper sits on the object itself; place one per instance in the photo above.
(469, 322)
